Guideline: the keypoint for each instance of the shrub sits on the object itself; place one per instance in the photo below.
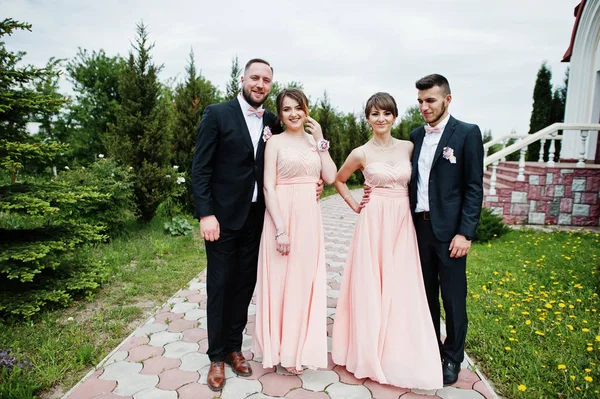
(179, 226)
(490, 226)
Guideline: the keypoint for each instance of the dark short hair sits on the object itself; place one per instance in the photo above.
(382, 101)
(294, 94)
(257, 61)
(429, 81)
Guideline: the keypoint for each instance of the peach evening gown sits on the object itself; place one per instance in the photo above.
(382, 328)
(291, 296)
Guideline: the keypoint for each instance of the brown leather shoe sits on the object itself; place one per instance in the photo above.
(216, 376)
(238, 364)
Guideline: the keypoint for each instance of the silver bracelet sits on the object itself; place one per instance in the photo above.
(279, 235)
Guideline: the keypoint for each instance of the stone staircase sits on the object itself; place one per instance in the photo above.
(562, 194)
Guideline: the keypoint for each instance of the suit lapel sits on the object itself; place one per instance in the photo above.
(416, 153)
(241, 121)
(448, 132)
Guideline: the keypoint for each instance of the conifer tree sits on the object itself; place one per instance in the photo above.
(541, 114)
(141, 137)
(233, 86)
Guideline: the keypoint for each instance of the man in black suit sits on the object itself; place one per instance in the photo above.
(446, 194)
(227, 176)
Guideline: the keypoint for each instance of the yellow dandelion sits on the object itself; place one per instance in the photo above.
(590, 348)
(507, 348)
(562, 367)
(588, 370)
(588, 378)
(597, 338)
(528, 322)
(561, 305)
(585, 330)
(572, 378)
(522, 388)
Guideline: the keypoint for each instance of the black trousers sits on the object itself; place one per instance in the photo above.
(448, 274)
(230, 280)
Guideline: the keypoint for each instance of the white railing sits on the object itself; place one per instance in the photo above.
(504, 140)
(548, 133)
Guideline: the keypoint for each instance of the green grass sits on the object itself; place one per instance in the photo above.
(147, 267)
(533, 305)
(329, 190)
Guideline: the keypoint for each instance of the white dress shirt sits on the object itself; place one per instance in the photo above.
(255, 124)
(428, 148)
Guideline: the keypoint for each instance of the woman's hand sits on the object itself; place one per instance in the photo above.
(314, 128)
(283, 244)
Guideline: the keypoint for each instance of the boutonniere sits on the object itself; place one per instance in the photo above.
(267, 133)
(449, 154)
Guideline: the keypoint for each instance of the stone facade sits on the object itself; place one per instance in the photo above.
(563, 195)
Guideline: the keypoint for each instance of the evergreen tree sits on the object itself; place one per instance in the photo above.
(233, 86)
(191, 97)
(541, 115)
(95, 79)
(330, 122)
(141, 138)
(409, 121)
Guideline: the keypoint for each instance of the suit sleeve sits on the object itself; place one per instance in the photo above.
(473, 180)
(202, 165)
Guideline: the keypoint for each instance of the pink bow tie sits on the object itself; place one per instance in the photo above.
(258, 112)
(429, 129)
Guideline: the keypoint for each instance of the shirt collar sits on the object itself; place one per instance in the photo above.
(244, 104)
(443, 123)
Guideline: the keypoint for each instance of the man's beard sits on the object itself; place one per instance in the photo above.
(249, 100)
(442, 112)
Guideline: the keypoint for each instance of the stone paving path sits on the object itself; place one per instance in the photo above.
(165, 358)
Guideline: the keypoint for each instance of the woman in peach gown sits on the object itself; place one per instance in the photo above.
(291, 302)
(382, 328)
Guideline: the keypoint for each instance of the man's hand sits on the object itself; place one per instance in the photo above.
(209, 228)
(459, 246)
(320, 185)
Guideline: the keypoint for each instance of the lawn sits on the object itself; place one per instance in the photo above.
(148, 267)
(533, 312)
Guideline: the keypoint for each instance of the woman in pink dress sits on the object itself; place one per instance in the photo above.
(290, 326)
(382, 328)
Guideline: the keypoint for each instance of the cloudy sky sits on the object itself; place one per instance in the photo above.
(489, 50)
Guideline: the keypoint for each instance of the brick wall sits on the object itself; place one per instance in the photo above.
(559, 195)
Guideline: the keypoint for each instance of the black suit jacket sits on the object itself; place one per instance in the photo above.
(455, 190)
(224, 169)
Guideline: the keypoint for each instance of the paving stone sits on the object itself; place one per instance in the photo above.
(93, 387)
(111, 396)
(427, 392)
(249, 330)
(381, 391)
(482, 388)
(333, 293)
(303, 394)
(278, 385)
(457, 393)
(175, 300)
(318, 380)
(182, 325)
(197, 286)
(261, 396)
(143, 352)
(466, 379)
(186, 293)
(196, 391)
(194, 361)
(194, 335)
(173, 379)
(155, 393)
(195, 314)
(162, 338)
(157, 365)
(115, 370)
(246, 342)
(133, 342)
(238, 388)
(347, 377)
(258, 370)
(152, 328)
(184, 307)
(203, 345)
(339, 390)
(331, 312)
(117, 357)
(252, 309)
(168, 317)
(129, 384)
(179, 349)
(196, 298)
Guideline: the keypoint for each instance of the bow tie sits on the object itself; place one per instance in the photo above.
(429, 129)
(257, 112)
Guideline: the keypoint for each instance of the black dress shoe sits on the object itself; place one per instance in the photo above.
(450, 372)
